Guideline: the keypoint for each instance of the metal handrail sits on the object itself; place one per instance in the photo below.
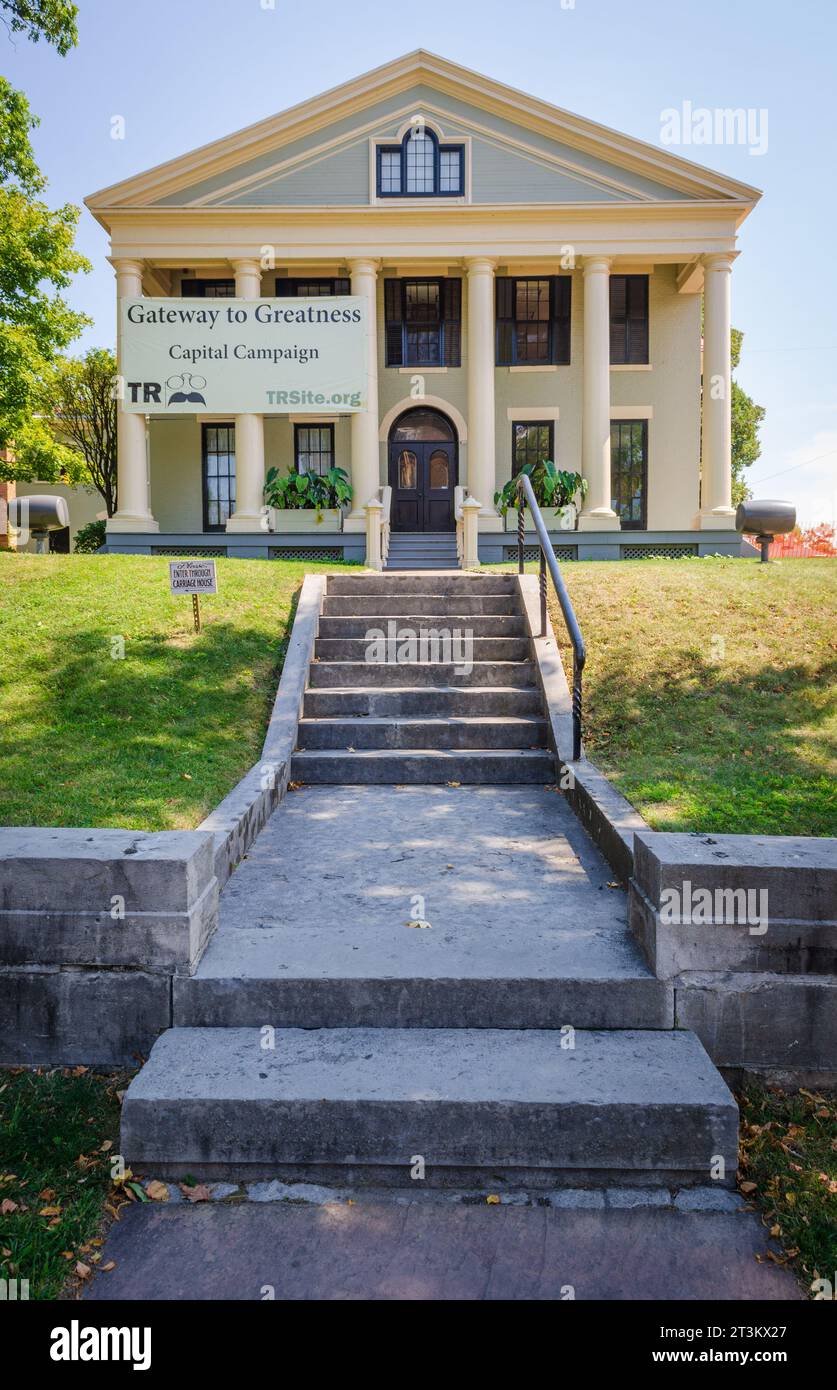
(547, 560)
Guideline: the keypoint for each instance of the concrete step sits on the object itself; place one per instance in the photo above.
(637, 1106)
(426, 673)
(444, 585)
(482, 648)
(423, 767)
(480, 625)
(416, 702)
(411, 564)
(417, 604)
(501, 731)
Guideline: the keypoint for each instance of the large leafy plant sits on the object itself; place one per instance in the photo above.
(310, 492)
(553, 487)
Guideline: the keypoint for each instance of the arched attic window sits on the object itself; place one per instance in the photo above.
(421, 167)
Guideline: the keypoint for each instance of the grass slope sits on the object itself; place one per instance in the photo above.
(710, 690)
(150, 741)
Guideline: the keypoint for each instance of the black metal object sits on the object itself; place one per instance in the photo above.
(765, 520)
(547, 561)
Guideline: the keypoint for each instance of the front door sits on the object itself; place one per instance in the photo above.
(422, 473)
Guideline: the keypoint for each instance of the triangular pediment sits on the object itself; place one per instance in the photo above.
(521, 151)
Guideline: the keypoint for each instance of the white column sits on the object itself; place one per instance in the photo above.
(366, 469)
(249, 429)
(597, 513)
(132, 482)
(482, 457)
(716, 508)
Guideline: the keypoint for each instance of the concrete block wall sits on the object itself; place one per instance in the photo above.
(745, 928)
(93, 926)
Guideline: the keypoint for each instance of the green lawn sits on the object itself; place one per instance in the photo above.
(151, 741)
(788, 1168)
(709, 695)
(58, 1130)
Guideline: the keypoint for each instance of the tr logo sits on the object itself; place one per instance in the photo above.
(183, 388)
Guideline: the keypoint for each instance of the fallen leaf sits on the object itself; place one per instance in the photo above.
(50, 1211)
(748, 1186)
(417, 922)
(83, 1271)
(198, 1193)
(66, 1254)
(493, 1200)
(157, 1191)
(775, 1230)
(47, 1194)
(111, 1264)
(7, 1206)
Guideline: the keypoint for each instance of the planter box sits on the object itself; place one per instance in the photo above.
(283, 521)
(551, 515)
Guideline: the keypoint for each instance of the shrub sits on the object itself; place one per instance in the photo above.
(90, 538)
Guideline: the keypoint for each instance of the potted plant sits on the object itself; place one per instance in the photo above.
(554, 488)
(291, 495)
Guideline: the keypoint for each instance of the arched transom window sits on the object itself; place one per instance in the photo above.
(421, 167)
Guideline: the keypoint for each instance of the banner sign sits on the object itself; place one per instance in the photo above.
(192, 577)
(243, 356)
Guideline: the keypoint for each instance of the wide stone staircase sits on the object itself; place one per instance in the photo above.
(427, 980)
(425, 721)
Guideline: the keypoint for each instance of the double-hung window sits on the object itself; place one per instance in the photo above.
(207, 289)
(533, 320)
(533, 441)
(218, 475)
(311, 287)
(420, 167)
(629, 472)
(313, 448)
(423, 322)
(628, 320)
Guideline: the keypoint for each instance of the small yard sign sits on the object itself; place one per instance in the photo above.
(193, 577)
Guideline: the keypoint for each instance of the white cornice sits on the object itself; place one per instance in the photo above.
(352, 97)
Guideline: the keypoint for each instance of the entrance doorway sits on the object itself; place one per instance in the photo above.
(422, 471)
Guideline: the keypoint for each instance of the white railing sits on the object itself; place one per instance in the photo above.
(378, 510)
(466, 510)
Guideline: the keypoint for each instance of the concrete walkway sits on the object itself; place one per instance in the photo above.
(382, 1247)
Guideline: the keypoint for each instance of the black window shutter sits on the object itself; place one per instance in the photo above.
(192, 289)
(285, 289)
(637, 318)
(561, 318)
(618, 318)
(504, 312)
(393, 322)
(452, 322)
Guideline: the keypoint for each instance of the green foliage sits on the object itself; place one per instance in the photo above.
(307, 491)
(37, 258)
(747, 418)
(553, 487)
(53, 20)
(83, 410)
(90, 538)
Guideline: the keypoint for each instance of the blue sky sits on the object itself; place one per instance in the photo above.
(183, 72)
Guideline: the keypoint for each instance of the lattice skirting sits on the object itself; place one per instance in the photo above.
(190, 550)
(303, 552)
(656, 552)
(531, 552)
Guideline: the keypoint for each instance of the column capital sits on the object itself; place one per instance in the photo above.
(363, 265)
(246, 265)
(718, 260)
(597, 265)
(480, 265)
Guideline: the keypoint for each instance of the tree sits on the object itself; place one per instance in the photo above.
(37, 258)
(53, 20)
(84, 416)
(746, 421)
